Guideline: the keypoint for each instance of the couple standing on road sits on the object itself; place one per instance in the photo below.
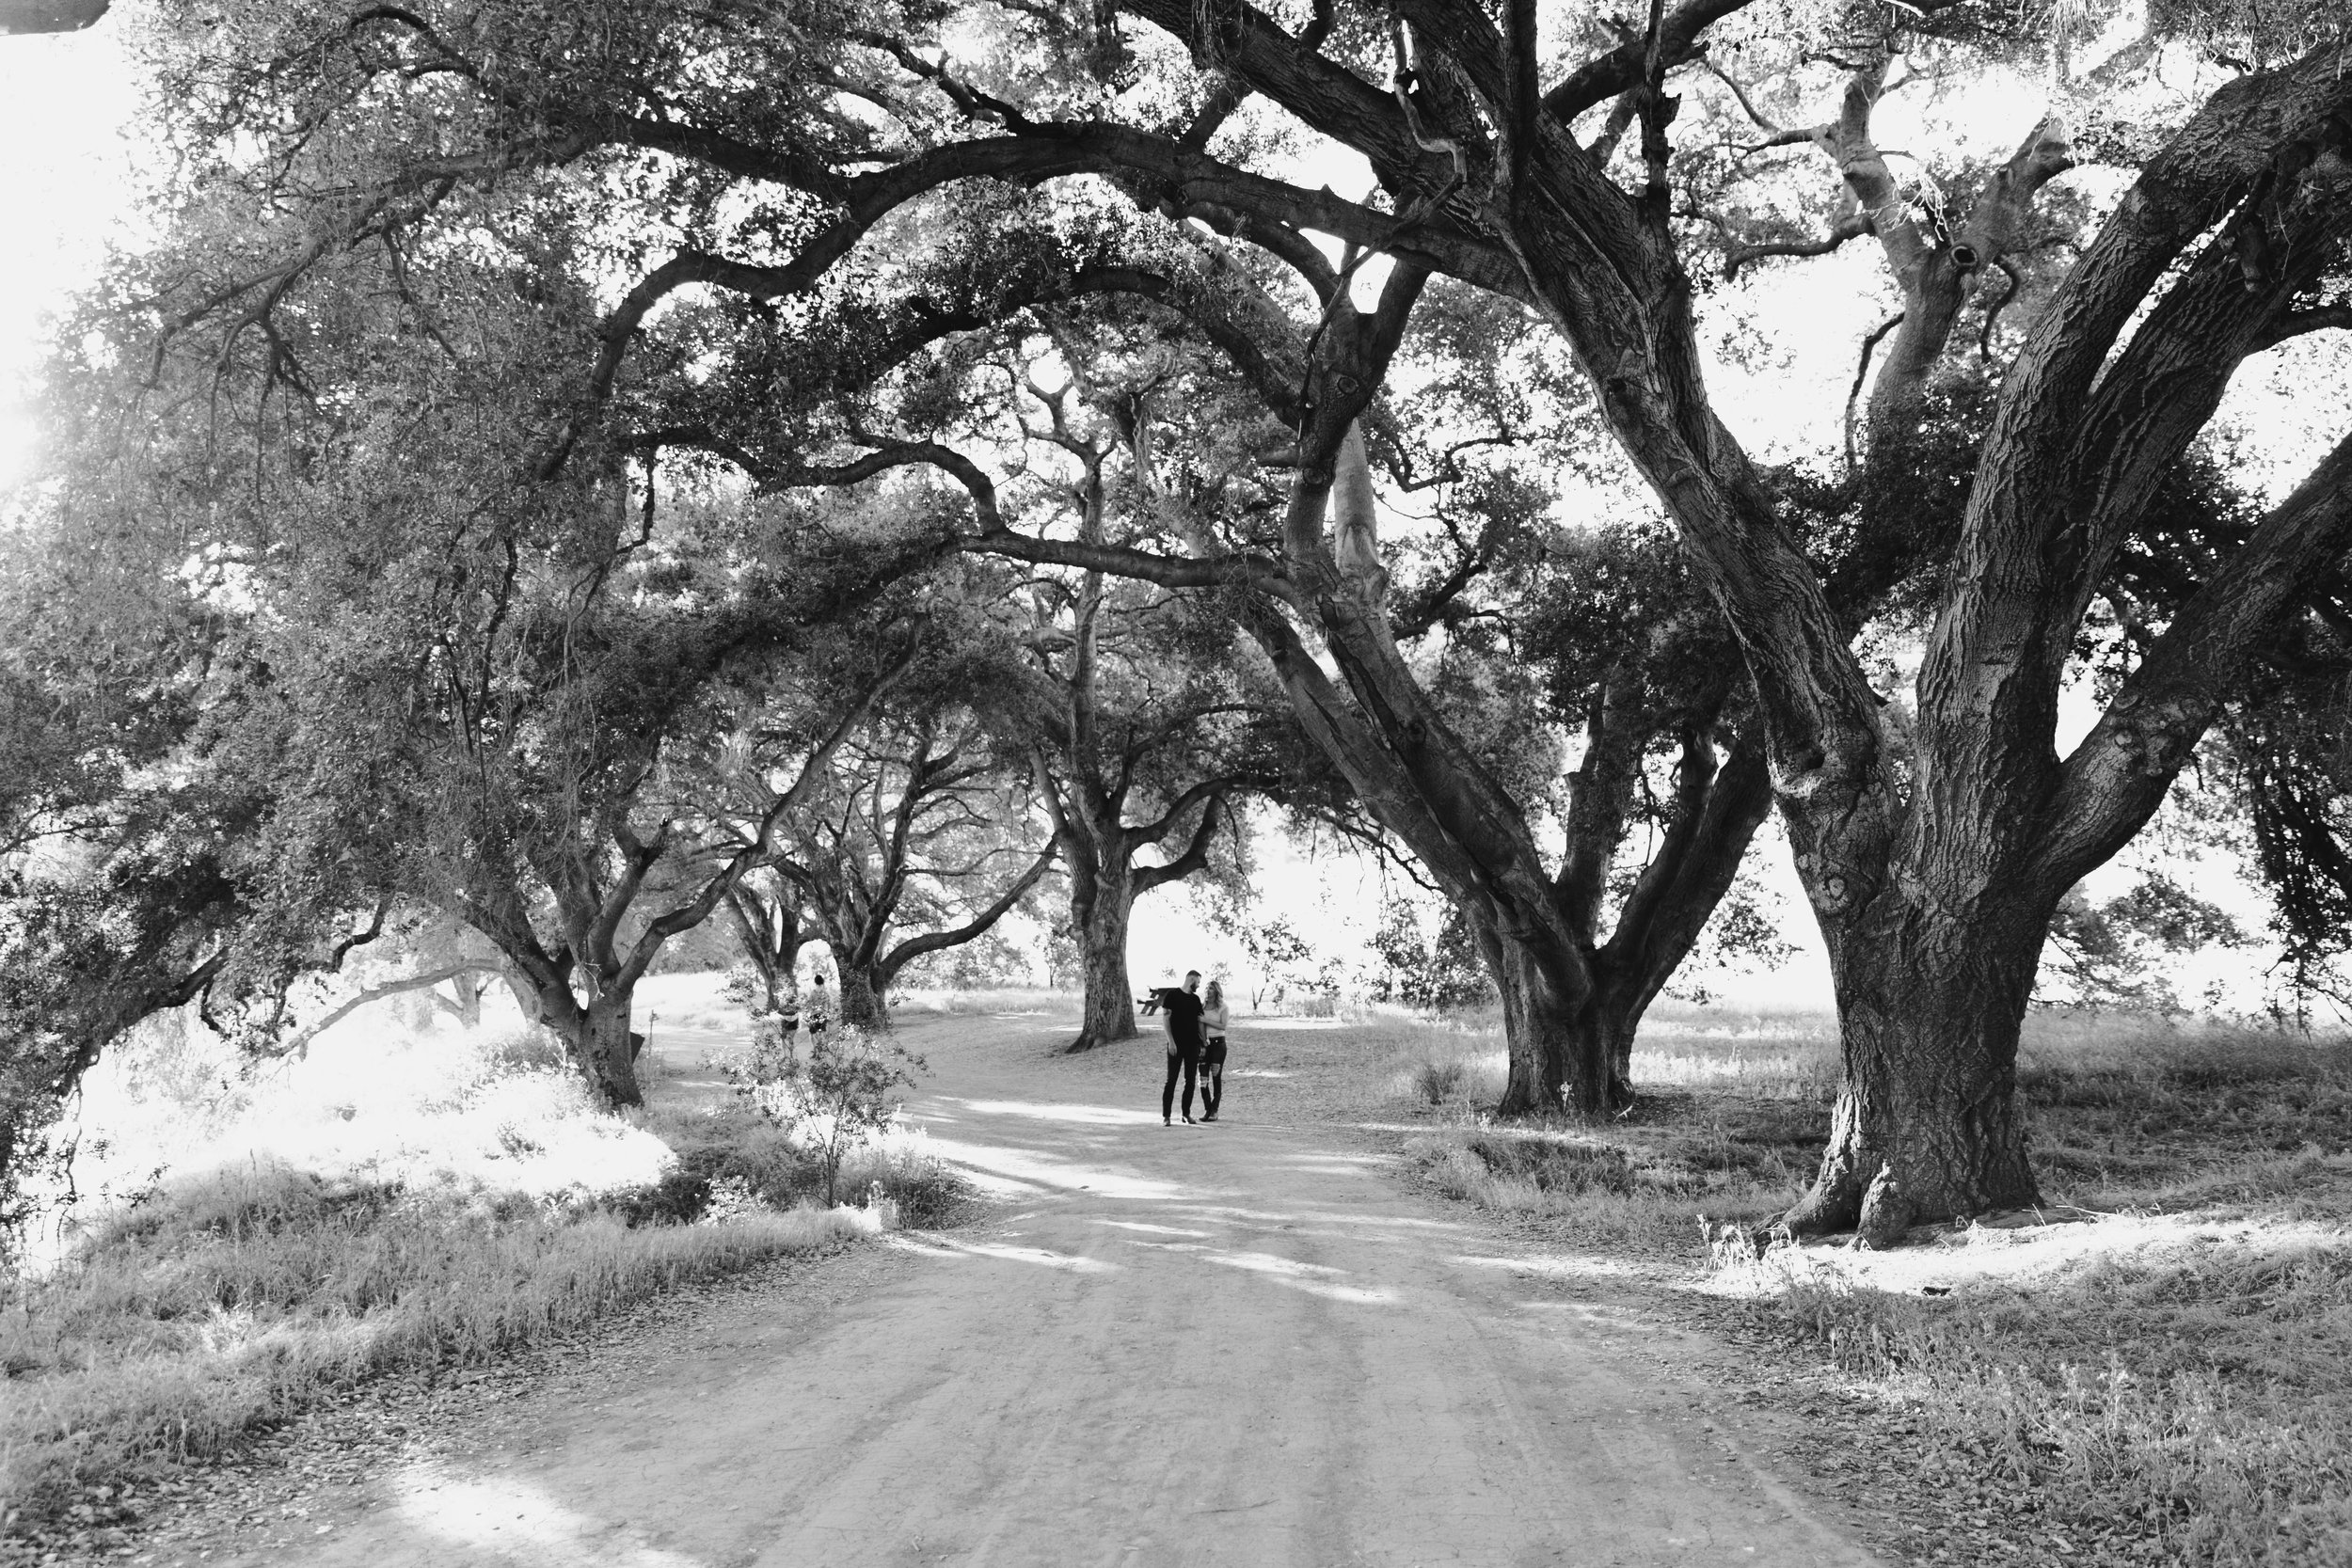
(1189, 1017)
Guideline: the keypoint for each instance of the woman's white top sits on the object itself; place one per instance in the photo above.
(1213, 1019)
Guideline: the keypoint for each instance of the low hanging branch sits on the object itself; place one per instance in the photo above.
(298, 1043)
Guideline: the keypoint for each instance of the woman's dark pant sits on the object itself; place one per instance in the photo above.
(1212, 1077)
(1189, 1056)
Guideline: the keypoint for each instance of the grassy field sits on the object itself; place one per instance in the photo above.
(2154, 1367)
(406, 1199)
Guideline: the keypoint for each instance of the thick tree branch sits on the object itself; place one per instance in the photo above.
(1717, 814)
(298, 1043)
(1845, 230)
(1623, 68)
(934, 942)
(2294, 323)
(1193, 858)
(2118, 776)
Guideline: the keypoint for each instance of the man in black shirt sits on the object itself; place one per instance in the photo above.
(1183, 1044)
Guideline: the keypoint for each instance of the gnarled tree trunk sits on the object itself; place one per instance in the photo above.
(865, 996)
(1927, 1126)
(598, 1039)
(1099, 908)
(1539, 1017)
(1606, 1027)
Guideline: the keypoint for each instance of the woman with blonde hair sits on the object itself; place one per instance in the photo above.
(1214, 1019)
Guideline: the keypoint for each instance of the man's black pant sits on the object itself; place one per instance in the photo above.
(1188, 1058)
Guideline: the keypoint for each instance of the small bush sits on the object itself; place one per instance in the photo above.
(737, 1148)
(525, 1048)
(677, 1198)
(1439, 1082)
(925, 1190)
(839, 1099)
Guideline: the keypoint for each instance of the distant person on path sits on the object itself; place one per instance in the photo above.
(1214, 1019)
(1182, 1008)
(819, 1012)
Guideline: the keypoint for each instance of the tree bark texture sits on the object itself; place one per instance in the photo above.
(1552, 1070)
(865, 996)
(1927, 1125)
(1100, 908)
(598, 1040)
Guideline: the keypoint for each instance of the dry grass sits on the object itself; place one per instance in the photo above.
(409, 1201)
(2157, 1369)
(1729, 1104)
(1003, 1002)
(237, 1298)
(2150, 1388)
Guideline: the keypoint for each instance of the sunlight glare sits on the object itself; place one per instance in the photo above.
(1099, 1115)
(522, 1524)
(1067, 1262)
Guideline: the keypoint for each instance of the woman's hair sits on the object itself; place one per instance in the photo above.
(1216, 994)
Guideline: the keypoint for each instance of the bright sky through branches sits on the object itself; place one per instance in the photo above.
(64, 181)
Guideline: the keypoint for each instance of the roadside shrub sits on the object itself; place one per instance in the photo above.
(741, 1151)
(925, 1188)
(677, 1198)
(839, 1097)
(1439, 1082)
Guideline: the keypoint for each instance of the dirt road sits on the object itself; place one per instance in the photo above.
(1239, 1344)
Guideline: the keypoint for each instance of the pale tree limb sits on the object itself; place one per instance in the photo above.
(1931, 265)
(298, 1043)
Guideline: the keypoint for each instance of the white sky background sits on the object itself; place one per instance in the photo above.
(64, 183)
(67, 175)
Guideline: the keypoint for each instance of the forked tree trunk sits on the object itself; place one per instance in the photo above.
(1927, 1125)
(1561, 1061)
(1100, 921)
(770, 941)
(1605, 1030)
(465, 1003)
(598, 1039)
